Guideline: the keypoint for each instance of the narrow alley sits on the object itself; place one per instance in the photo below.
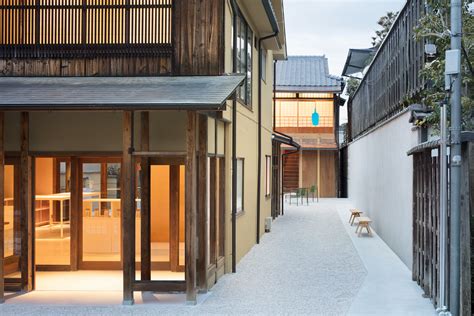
(311, 263)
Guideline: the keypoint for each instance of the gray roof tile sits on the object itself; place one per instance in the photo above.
(306, 74)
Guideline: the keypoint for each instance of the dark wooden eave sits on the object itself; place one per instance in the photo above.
(117, 93)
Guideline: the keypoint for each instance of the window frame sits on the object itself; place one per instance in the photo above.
(242, 209)
(268, 176)
(243, 55)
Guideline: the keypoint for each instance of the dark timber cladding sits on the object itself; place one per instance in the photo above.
(393, 75)
(198, 37)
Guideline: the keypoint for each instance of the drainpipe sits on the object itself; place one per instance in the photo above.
(234, 148)
(271, 16)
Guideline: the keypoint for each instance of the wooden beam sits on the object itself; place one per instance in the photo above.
(174, 217)
(190, 209)
(147, 153)
(202, 218)
(128, 209)
(145, 218)
(27, 210)
(2, 209)
(160, 286)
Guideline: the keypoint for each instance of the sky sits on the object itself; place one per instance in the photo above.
(331, 27)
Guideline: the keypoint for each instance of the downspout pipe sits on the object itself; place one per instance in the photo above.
(276, 30)
(234, 147)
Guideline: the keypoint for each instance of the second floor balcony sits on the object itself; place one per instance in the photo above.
(82, 28)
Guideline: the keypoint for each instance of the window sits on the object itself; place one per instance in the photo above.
(240, 185)
(264, 65)
(268, 175)
(244, 58)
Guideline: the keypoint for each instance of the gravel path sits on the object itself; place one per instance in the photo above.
(306, 265)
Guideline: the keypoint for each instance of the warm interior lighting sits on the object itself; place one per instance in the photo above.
(298, 113)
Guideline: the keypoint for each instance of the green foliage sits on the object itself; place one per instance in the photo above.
(386, 23)
(351, 86)
(434, 28)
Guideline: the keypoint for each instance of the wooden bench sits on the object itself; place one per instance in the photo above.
(364, 222)
(355, 213)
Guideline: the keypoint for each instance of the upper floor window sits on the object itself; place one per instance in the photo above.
(68, 27)
(244, 58)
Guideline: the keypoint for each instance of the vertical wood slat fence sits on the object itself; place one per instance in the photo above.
(426, 213)
(393, 75)
(72, 28)
(426, 223)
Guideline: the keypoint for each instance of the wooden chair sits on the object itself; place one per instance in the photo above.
(364, 222)
(355, 213)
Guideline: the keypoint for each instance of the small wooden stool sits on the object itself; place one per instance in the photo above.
(364, 222)
(354, 214)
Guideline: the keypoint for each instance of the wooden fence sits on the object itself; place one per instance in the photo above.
(426, 221)
(393, 75)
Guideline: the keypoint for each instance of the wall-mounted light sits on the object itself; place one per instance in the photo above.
(430, 50)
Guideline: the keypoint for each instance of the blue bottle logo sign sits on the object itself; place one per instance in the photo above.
(315, 118)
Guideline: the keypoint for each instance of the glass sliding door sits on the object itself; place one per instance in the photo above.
(52, 212)
(101, 208)
(12, 237)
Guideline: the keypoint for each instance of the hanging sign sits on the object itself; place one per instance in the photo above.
(315, 118)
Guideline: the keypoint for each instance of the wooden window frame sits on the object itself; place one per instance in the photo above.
(268, 176)
(248, 39)
(242, 209)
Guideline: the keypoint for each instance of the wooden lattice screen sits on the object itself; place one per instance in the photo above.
(70, 27)
(426, 223)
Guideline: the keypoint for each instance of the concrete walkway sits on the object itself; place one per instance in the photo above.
(309, 264)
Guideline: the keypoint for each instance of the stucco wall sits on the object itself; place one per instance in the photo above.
(380, 182)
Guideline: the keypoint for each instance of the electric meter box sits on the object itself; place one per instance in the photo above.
(453, 62)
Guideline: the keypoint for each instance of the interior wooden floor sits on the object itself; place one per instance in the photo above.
(51, 249)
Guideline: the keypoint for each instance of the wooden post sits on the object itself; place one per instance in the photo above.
(202, 218)
(27, 210)
(174, 217)
(75, 212)
(145, 217)
(190, 209)
(213, 204)
(2, 210)
(128, 209)
(319, 175)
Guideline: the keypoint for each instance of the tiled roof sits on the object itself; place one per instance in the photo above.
(306, 74)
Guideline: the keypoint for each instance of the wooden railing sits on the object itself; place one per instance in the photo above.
(393, 76)
(68, 28)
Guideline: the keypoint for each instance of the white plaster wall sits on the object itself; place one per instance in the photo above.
(380, 182)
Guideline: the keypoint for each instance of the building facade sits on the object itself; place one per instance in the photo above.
(131, 136)
(306, 108)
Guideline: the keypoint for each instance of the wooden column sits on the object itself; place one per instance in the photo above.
(27, 209)
(2, 209)
(128, 209)
(174, 217)
(145, 217)
(190, 209)
(75, 212)
(202, 218)
(213, 205)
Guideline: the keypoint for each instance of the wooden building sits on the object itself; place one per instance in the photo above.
(305, 90)
(130, 133)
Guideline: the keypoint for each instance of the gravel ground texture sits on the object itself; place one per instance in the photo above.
(306, 265)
